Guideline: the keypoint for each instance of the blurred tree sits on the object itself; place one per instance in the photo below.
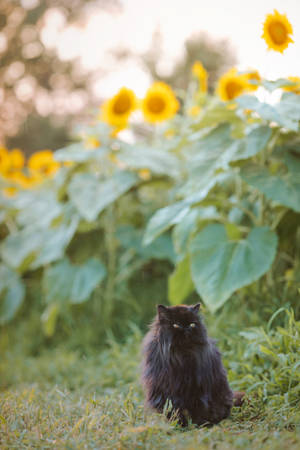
(216, 56)
(40, 93)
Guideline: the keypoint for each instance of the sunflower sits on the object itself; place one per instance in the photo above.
(276, 31)
(4, 160)
(201, 74)
(295, 88)
(43, 163)
(252, 75)
(116, 110)
(10, 191)
(159, 103)
(194, 111)
(231, 85)
(17, 159)
(18, 178)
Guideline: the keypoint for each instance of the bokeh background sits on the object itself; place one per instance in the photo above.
(94, 235)
(60, 60)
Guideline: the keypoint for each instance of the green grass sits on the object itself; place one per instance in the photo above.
(65, 399)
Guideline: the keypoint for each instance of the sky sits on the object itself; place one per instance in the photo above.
(239, 21)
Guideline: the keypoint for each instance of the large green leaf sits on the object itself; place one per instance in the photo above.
(180, 283)
(163, 219)
(282, 188)
(220, 265)
(272, 85)
(33, 247)
(87, 278)
(289, 106)
(79, 153)
(91, 196)
(22, 245)
(65, 282)
(219, 113)
(188, 224)
(213, 151)
(158, 161)
(131, 238)
(254, 142)
(39, 209)
(272, 113)
(12, 293)
(55, 242)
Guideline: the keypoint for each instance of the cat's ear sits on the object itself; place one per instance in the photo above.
(162, 310)
(195, 308)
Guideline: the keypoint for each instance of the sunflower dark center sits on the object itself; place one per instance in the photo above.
(156, 104)
(122, 104)
(278, 32)
(233, 89)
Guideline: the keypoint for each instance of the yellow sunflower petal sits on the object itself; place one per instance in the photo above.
(116, 111)
(4, 160)
(201, 74)
(231, 85)
(18, 178)
(194, 111)
(160, 103)
(17, 159)
(276, 31)
(252, 75)
(10, 191)
(43, 163)
(295, 88)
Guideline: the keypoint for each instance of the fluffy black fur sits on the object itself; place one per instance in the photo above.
(183, 365)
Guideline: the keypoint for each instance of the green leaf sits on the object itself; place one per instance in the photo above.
(282, 188)
(220, 266)
(49, 318)
(163, 219)
(57, 282)
(183, 229)
(212, 151)
(180, 283)
(289, 106)
(65, 282)
(86, 279)
(272, 85)
(254, 142)
(131, 238)
(33, 247)
(12, 293)
(90, 195)
(188, 224)
(79, 153)
(157, 161)
(217, 114)
(271, 113)
(39, 209)
(21, 245)
(55, 242)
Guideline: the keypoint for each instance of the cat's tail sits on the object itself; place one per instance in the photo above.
(238, 398)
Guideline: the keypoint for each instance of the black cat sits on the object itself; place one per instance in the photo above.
(182, 365)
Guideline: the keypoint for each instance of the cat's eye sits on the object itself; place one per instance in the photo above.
(175, 325)
(192, 325)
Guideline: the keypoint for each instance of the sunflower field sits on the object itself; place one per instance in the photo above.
(207, 188)
(182, 196)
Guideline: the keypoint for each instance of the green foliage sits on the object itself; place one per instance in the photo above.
(95, 400)
(212, 202)
(222, 263)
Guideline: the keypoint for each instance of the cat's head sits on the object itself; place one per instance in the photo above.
(182, 323)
